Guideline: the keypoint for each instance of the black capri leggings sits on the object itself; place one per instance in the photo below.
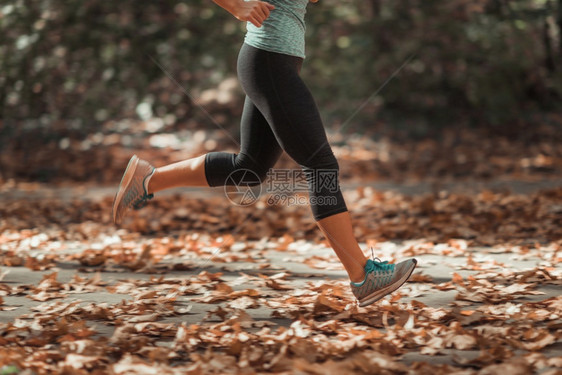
(280, 114)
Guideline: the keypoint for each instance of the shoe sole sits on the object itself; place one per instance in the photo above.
(124, 184)
(375, 296)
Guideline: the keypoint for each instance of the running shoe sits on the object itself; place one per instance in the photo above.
(381, 278)
(133, 189)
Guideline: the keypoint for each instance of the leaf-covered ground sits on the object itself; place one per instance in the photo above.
(195, 285)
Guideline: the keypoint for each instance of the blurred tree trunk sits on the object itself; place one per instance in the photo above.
(560, 28)
(378, 37)
(547, 39)
(376, 7)
(375, 13)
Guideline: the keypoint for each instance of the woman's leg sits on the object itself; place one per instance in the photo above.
(339, 233)
(272, 82)
(190, 172)
(259, 151)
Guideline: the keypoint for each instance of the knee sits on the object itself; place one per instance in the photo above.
(322, 174)
(254, 171)
(323, 159)
(326, 163)
(258, 177)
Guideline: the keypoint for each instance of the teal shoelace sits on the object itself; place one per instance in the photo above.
(382, 271)
(378, 266)
(142, 201)
(375, 265)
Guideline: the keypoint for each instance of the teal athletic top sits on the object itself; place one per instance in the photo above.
(283, 31)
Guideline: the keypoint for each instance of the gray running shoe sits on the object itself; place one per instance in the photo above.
(132, 191)
(381, 279)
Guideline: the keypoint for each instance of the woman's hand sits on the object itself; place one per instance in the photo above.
(254, 11)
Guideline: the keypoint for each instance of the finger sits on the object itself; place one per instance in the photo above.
(262, 13)
(255, 21)
(257, 13)
(257, 16)
(271, 6)
(266, 11)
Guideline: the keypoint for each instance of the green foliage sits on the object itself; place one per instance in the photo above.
(8, 370)
(94, 60)
(484, 60)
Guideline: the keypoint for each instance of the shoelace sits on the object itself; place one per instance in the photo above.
(376, 265)
(142, 201)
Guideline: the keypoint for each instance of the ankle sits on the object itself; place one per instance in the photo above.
(148, 187)
(357, 277)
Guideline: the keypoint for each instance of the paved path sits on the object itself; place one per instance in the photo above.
(438, 268)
